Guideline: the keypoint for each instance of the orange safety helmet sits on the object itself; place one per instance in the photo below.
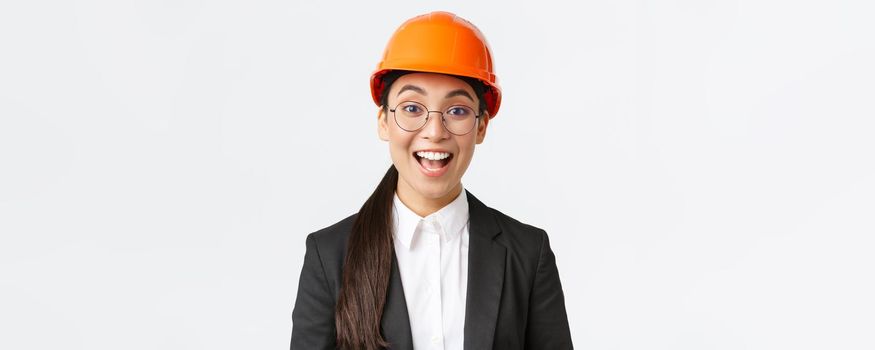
(440, 42)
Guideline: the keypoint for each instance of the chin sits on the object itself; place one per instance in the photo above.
(433, 190)
(430, 188)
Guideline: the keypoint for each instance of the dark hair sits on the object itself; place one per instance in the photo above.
(369, 253)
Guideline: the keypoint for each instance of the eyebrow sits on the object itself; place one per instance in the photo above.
(457, 92)
(411, 87)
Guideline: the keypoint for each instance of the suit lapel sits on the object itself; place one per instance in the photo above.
(396, 322)
(486, 260)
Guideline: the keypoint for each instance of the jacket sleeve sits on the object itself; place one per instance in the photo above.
(313, 313)
(547, 326)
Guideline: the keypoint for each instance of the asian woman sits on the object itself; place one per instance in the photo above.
(424, 264)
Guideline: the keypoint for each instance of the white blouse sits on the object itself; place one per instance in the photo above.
(432, 255)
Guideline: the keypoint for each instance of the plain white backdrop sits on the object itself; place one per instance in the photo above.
(704, 169)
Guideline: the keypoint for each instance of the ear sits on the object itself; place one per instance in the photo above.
(481, 127)
(382, 125)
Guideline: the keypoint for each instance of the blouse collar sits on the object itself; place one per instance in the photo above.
(451, 219)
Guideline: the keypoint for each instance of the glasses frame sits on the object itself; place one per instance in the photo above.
(428, 114)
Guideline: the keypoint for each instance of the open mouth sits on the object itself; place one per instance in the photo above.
(433, 163)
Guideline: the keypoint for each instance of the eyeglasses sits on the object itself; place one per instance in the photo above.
(457, 119)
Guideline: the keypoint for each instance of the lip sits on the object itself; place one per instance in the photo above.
(432, 150)
(433, 173)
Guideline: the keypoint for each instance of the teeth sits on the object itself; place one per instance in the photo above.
(433, 155)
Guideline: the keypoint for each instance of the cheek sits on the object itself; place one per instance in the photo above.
(399, 148)
(397, 152)
(466, 152)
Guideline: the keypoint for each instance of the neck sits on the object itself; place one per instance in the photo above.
(423, 205)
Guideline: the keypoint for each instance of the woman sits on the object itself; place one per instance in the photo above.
(424, 264)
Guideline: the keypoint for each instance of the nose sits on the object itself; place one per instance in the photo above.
(434, 127)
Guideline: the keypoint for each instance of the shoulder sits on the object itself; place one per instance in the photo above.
(519, 236)
(331, 240)
(507, 222)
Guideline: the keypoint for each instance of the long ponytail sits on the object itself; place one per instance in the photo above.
(366, 271)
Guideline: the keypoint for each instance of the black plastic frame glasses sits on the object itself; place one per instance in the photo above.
(427, 113)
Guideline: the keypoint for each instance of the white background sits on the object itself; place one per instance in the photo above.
(704, 169)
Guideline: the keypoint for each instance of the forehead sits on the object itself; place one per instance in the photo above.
(430, 82)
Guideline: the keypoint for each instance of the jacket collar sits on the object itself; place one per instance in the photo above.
(486, 260)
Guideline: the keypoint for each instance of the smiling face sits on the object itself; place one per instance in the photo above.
(430, 183)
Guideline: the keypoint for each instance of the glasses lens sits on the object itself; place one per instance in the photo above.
(410, 115)
(459, 119)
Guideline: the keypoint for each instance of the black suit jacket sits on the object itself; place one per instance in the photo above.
(514, 297)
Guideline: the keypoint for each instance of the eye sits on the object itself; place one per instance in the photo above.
(411, 109)
(460, 111)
